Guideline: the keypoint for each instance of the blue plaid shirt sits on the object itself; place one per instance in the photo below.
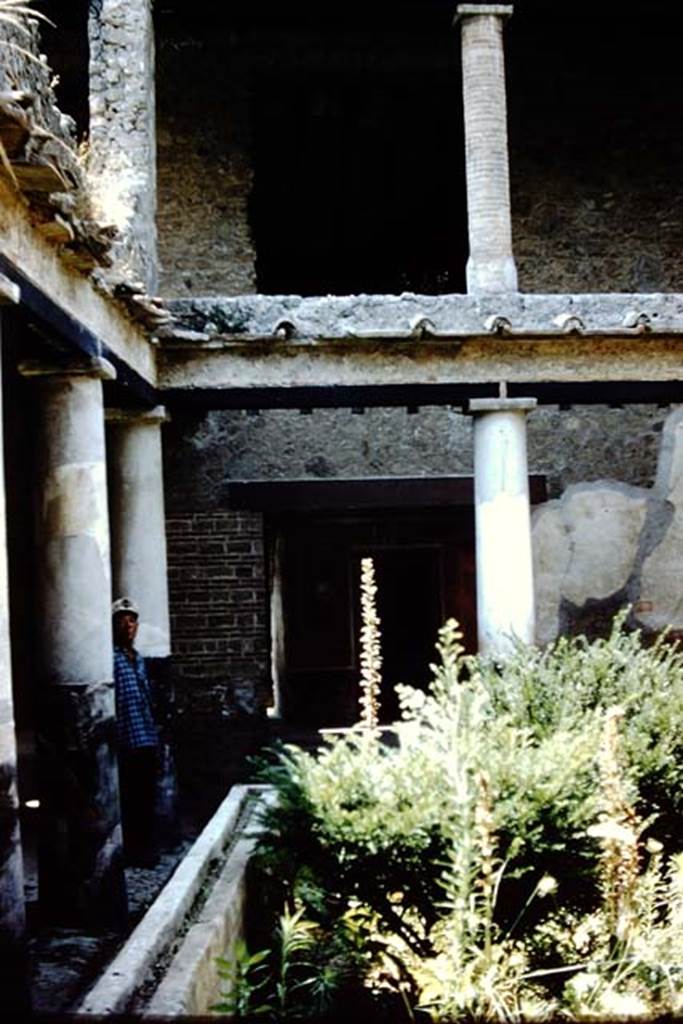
(134, 715)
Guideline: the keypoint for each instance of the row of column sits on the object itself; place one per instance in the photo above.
(80, 843)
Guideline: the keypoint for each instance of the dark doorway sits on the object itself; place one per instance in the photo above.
(409, 603)
(424, 565)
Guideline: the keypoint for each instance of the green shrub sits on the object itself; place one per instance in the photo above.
(549, 690)
(511, 855)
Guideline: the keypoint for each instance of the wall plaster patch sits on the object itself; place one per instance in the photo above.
(604, 522)
(661, 583)
(619, 539)
(551, 554)
(585, 547)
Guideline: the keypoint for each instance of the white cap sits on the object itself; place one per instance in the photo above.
(125, 604)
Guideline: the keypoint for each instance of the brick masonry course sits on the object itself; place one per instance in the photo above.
(219, 612)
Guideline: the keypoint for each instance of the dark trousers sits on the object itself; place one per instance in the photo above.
(138, 768)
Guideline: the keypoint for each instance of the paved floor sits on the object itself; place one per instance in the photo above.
(65, 961)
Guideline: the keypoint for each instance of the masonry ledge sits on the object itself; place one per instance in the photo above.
(293, 318)
(27, 257)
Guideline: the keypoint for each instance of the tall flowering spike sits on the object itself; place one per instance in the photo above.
(370, 648)
(618, 830)
(484, 835)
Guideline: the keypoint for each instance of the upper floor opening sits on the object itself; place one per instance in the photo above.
(319, 149)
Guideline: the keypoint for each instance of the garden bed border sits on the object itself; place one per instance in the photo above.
(116, 986)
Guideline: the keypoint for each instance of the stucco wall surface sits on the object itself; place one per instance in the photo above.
(605, 544)
(204, 452)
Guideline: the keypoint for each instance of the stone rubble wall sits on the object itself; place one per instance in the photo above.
(59, 186)
(586, 443)
(122, 166)
(576, 232)
(205, 173)
(595, 186)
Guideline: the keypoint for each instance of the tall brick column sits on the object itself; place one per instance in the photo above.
(80, 857)
(138, 524)
(505, 585)
(13, 965)
(122, 129)
(490, 267)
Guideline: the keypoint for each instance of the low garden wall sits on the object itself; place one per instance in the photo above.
(168, 965)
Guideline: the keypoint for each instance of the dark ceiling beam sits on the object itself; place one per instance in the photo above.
(70, 336)
(411, 395)
(359, 493)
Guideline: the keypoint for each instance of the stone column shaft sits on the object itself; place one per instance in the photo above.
(505, 589)
(122, 129)
(490, 267)
(80, 862)
(138, 523)
(12, 917)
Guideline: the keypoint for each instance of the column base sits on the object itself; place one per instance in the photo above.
(491, 276)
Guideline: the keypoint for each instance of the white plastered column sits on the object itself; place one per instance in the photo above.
(12, 915)
(80, 857)
(504, 568)
(491, 266)
(138, 523)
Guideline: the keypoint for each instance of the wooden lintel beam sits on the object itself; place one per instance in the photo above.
(392, 395)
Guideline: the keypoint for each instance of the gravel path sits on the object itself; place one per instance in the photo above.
(66, 961)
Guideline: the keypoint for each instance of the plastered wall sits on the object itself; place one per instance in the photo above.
(203, 453)
(605, 543)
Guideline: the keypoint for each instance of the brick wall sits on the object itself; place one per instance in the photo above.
(219, 629)
(219, 611)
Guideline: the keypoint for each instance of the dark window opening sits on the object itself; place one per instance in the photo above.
(67, 50)
(359, 183)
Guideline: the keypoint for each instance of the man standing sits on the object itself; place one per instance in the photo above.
(138, 739)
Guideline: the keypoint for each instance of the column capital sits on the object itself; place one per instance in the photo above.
(139, 417)
(501, 404)
(96, 369)
(478, 10)
(10, 293)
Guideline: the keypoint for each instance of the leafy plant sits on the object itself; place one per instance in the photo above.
(245, 976)
(514, 855)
